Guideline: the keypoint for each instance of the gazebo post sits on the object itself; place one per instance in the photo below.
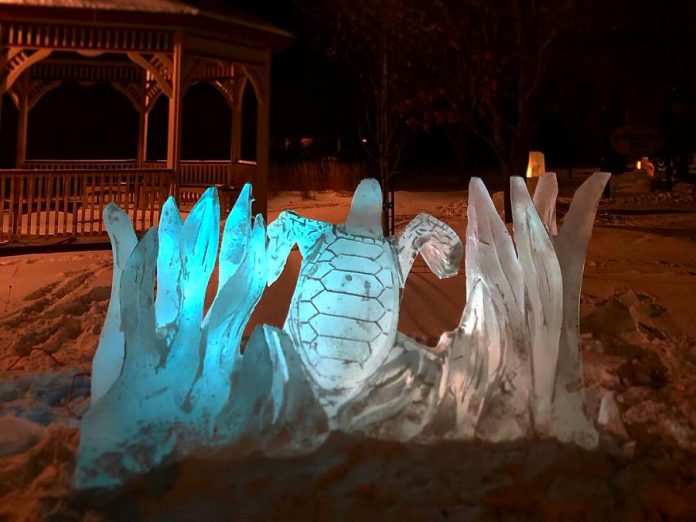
(142, 136)
(22, 121)
(236, 133)
(174, 128)
(262, 137)
(143, 120)
(236, 146)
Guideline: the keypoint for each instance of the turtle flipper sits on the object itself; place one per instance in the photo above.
(435, 241)
(283, 233)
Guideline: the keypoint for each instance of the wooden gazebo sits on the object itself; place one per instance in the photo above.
(145, 49)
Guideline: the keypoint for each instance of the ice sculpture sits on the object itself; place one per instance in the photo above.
(169, 379)
(108, 358)
(512, 368)
(176, 380)
(571, 247)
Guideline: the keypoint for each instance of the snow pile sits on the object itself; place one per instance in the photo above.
(65, 309)
(640, 371)
(681, 193)
(17, 435)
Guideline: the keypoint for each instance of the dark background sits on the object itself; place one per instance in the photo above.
(647, 70)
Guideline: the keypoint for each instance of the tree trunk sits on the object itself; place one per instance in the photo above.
(513, 166)
(507, 174)
(458, 140)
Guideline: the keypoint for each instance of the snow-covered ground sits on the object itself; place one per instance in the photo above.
(639, 341)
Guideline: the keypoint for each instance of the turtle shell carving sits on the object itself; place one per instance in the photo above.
(344, 313)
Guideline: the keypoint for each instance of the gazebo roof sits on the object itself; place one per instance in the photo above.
(156, 6)
(212, 14)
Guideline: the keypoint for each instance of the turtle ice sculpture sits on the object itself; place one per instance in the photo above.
(169, 378)
(343, 315)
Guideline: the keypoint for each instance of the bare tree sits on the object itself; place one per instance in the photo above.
(488, 69)
(375, 39)
(466, 66)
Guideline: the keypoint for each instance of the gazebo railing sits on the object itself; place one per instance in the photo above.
(54, 199)
(196, 176)
(205, 173)
(108, 164)
(244, 172)
(193, 172)
(42, 204)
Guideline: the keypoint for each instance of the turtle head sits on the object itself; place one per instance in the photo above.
(365, 217)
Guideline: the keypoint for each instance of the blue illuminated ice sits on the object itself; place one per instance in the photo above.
(169, 380)
(176, 381)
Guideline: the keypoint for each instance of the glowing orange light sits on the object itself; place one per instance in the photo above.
(536, 166)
